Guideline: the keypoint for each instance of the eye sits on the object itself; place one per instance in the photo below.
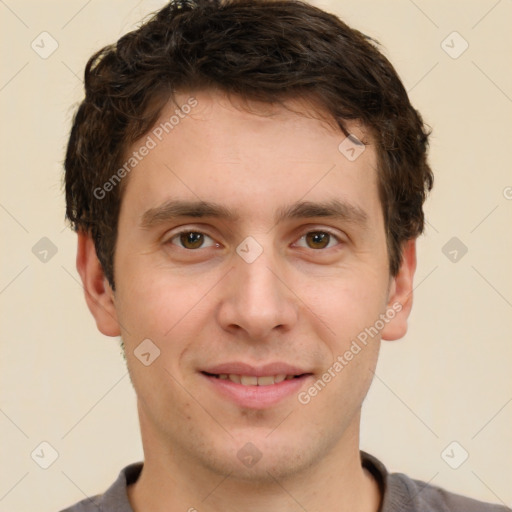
(319, 239)
(191, 240)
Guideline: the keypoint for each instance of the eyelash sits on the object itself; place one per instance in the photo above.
(187, 231)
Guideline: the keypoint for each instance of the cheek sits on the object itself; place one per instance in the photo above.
(156, 303)
(348, 304)
(171, 399)
(351, 307)
(158, 323)
(171, 314)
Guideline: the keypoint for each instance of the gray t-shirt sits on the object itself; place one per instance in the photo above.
(399, 494)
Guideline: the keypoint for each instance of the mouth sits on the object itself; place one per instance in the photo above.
(256, 388)
(253, 380)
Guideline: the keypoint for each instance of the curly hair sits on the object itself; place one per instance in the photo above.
(264, 50)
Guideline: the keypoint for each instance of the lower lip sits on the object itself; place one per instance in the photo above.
(257, 397)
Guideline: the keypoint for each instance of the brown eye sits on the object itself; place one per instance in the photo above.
(190, 240)
(318, 239)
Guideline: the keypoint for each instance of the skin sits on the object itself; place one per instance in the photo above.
(300, 301)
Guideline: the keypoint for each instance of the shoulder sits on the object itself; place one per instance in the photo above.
(86, 505)
(401, 493)
(409, 494)
(115, 498)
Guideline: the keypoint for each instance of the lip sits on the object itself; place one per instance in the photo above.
(256, 397)
(240, 368)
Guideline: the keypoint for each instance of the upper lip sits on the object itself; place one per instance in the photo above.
(239, 368)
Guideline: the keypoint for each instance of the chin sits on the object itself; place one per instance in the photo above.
(265, 458)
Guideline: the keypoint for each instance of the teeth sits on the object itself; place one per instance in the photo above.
(266, 381)
(251, 380)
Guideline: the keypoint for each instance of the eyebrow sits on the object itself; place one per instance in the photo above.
(176, 208)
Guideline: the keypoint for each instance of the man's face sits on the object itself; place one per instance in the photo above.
(260, 293)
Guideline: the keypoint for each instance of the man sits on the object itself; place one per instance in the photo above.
(247, 179)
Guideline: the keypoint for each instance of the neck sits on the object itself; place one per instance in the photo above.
(172, 481)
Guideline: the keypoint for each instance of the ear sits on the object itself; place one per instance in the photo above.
(400, 295)
(98, 293)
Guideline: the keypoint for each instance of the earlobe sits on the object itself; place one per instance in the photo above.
(98, 292)
(400, 295)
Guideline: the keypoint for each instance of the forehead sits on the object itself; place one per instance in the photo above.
(206, 146)
(237, 124)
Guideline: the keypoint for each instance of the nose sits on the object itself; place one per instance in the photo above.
(257, 299)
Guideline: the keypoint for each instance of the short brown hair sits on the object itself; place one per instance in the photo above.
(257, 49)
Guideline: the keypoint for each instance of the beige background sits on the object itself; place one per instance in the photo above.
(449, 379)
